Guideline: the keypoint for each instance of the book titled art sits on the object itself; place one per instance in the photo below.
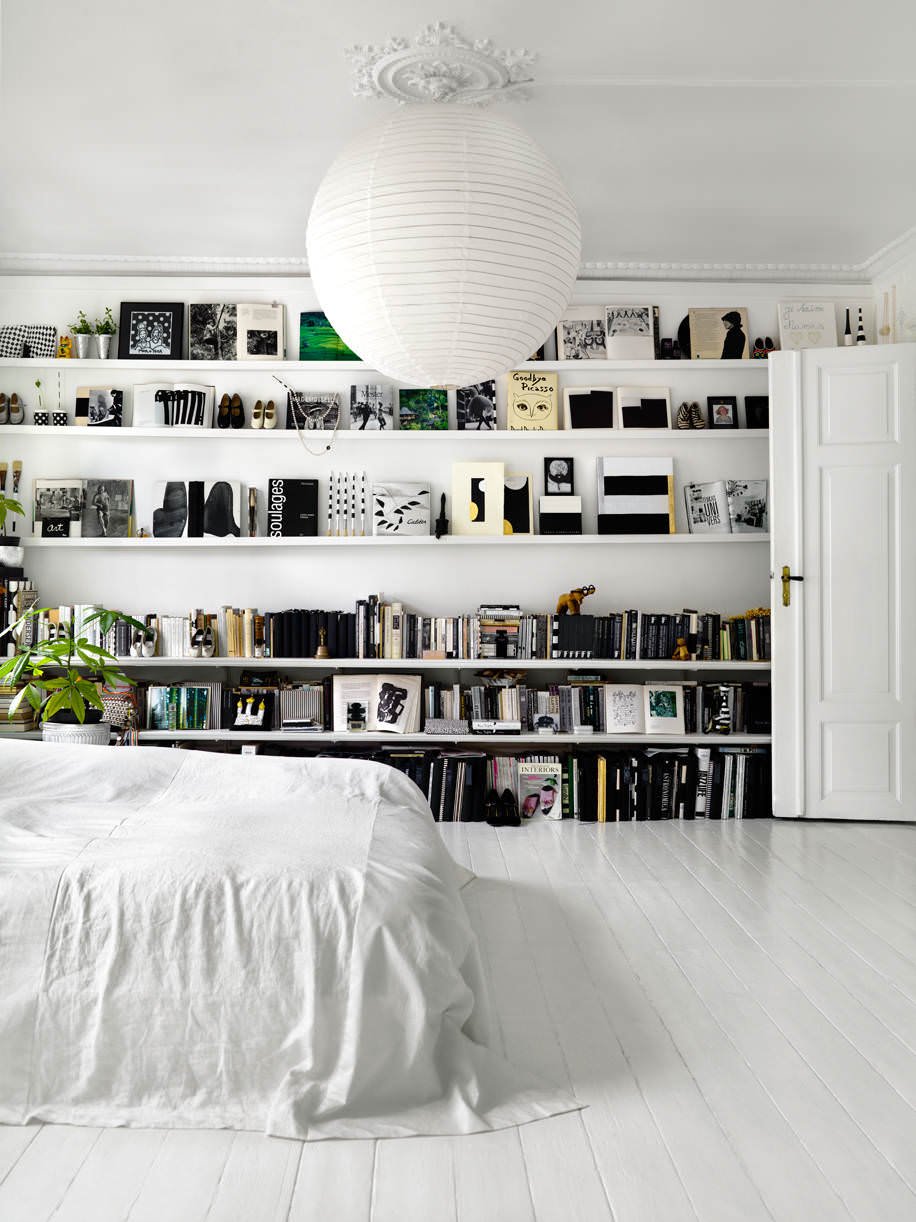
(400, 508)
(532, 401)
(635, 496)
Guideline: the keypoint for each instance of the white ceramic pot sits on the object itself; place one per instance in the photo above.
(104, 343)
(84, 346)
(97, 734)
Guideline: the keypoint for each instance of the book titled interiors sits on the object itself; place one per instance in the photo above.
(292, 508)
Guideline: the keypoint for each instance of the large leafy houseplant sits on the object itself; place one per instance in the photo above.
(55, 674)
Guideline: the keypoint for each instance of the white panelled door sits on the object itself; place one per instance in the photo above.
(844, 519)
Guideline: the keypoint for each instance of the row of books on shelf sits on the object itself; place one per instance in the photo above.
(635, 495)
(403, 704)
(377, 629)
(592, 786)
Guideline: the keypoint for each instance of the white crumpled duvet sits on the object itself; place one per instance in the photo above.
(200, 941)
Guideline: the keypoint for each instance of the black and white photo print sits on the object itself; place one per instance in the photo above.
(371, 407)
(581, 334)
(631, 332)
(106, 407)
(56, 507)
(476, 406)
(212, 330)
(107, 506)
(558, 477)
(150, 330)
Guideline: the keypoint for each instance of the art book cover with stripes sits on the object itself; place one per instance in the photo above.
(636, 496)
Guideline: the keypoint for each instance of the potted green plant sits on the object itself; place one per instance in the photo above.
(58, 677)
(105, 328)
(82, 329)
(11, 553)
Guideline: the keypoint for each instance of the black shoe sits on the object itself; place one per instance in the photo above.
(222, 415)
(236, 413)
(509, 816)
(491, 807)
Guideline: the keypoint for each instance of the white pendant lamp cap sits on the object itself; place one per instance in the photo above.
(443, 245)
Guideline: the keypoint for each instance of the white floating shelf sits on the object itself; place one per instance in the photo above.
(449, 664)
(411, 436)
(343, 367)
(450, 541)
(545, 741)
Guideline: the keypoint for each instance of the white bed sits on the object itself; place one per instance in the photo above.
(200, 941)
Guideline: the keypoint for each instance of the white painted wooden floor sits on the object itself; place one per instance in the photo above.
(736, 1003)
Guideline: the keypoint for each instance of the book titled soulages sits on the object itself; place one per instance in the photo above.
(292, 507)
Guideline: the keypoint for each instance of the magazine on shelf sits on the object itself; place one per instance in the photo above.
(374, 703)
(540, 786)
(708, 508)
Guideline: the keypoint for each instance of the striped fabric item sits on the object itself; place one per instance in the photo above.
(636, 496)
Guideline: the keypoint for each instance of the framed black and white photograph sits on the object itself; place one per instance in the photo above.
(644, 407)
(475, 406)
(723, 411)
(151, 331)
(107, 508)
(581, 334)
(559, 479)
(212, 331)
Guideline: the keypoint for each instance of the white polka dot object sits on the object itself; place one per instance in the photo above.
(443, 245)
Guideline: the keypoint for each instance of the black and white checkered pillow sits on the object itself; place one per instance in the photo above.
(38, 340)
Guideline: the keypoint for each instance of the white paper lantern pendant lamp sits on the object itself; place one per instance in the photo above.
(442, 243)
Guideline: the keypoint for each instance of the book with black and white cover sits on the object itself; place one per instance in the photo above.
(108, 506)
(312, 410)
(99, 407)
(476, 406)
(623, 708)
(57, 508)
(560, 515)
(173, 405)
(632, 332)
(401, 508)
(371, 407)
(747, 505)
(261, 332)
(707, 508)
(212, 331)
(193, 509)
(635, 496)
(374, 703)
(292, 507)
(518, 518)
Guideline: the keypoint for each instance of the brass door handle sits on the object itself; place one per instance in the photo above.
(788, 577)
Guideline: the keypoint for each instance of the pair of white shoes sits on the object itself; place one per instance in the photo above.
(264, 416)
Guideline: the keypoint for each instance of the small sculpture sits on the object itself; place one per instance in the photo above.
(572, 601)
(64, 348)
(681, 653)
(322, 650)
(442, 520)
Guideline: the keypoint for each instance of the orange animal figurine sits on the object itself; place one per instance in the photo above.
(571, 603)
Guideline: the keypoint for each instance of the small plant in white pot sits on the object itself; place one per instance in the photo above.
(105, 328)
(59, 677)
(83, 331)
(11, 553)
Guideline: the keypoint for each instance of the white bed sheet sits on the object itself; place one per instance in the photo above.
(199, 941)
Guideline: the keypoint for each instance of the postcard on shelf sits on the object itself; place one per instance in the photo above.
(635, 496)
(532, 401)
(401, 508)
(623, 708)
(581, 334)
(310, 409)
(99, 407)
(560, 515)
(108, 506)
(707, 508)
(476, 406)
(518, 518)
(477, 498)
(747, 506)
(717, 334)
(261, 332)
(318, 341)
(423, 409)
(664, 708)
(559, 476)
(632, 332)
(644, 407)
(192, 509)
(173, 405)
(57, 508)
(371, 407)
(588, 407)
(807, 324)
(292, 508)
(212, 332)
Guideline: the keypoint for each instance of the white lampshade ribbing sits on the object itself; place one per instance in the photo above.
(443, 246)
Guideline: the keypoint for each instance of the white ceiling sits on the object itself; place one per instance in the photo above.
(779, 132)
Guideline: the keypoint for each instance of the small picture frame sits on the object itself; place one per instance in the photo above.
(643, 407)
(559, 477)
(151, 331)
(723, 411)
(757, 411)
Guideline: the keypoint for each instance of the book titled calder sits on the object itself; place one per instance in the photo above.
(292, 507)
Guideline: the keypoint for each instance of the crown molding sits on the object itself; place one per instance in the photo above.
(898, 251)
(151, 265)
(752, 273)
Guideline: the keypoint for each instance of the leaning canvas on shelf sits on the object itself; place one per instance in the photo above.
(517, 513)
(807, 324)
(588, 407)
(477, 498)
(635, 496)
(644, 407)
